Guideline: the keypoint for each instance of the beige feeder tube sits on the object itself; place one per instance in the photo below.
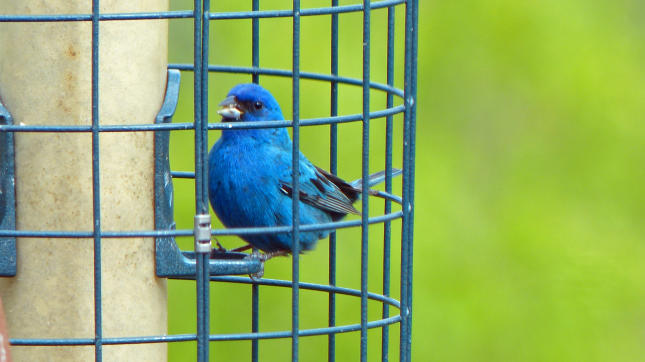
(45, 79)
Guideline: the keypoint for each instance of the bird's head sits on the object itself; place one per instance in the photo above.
(249, 102)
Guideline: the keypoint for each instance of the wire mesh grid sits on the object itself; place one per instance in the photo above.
(202, 16)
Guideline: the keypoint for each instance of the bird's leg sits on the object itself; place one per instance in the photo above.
(242, 248)
(219, 250)
(266, 256)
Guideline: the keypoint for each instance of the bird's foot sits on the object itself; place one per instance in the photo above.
(256, 254)
(219, 250)
(222, 250)
(266, 256)
(263, 257)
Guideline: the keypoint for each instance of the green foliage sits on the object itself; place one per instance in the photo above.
(529, 200)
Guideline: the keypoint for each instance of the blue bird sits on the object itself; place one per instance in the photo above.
(250, 179)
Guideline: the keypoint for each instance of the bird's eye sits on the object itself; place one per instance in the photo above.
(258, 105)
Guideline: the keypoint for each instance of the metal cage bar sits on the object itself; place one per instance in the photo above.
(412, 153)
(408, 179)
(295, 172)
(333, 168)
(255, 78)
(96, 187)
(201, 38)
(387, 227)
(7, 197)
(365, 157)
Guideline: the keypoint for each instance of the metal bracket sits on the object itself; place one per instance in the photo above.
(170, 261)
(7, 196)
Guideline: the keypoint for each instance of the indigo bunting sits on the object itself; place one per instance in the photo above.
(250, 179)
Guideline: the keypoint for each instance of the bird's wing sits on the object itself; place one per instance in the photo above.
(322, 190)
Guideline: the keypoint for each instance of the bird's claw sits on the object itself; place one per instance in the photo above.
(261, 257)
(218, 250)
(270, 255)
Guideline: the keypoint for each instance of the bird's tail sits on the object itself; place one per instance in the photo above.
(374, 179)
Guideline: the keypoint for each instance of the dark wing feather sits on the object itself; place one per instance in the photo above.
(326, 192)
(351, 192)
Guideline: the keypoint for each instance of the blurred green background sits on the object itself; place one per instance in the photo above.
(529, 198)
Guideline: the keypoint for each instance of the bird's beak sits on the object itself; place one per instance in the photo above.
(230, 110)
